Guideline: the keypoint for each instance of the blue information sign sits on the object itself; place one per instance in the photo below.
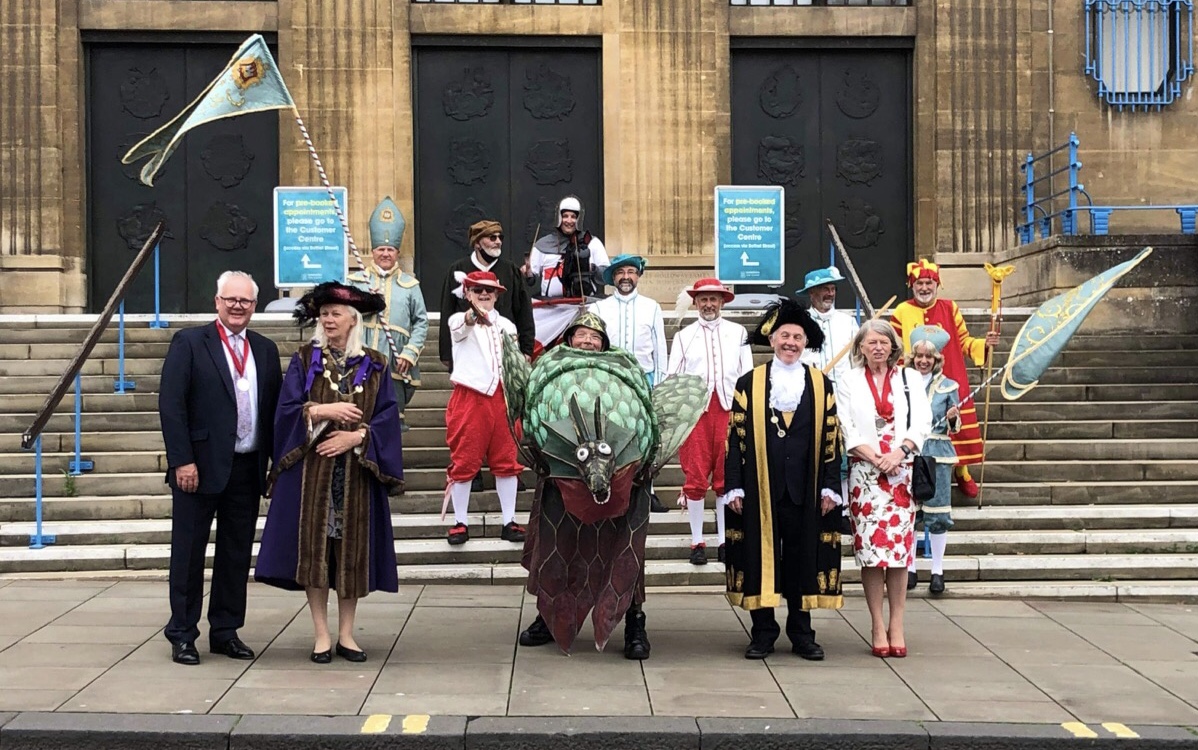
(749, 245)
(310, 245)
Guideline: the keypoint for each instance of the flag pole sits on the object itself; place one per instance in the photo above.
(353, 248)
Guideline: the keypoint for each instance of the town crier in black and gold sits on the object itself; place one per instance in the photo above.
(782, 478)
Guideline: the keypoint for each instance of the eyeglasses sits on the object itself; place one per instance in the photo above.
(237, 301)
(480, 290)
(496, 236)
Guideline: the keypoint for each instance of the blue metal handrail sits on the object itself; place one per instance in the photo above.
(1062, 209)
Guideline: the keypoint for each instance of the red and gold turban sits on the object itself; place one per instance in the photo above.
(923, 269)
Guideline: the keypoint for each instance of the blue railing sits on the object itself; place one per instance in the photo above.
(1047, 211)
(1139, 51)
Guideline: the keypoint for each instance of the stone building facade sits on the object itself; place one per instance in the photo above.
(983, 82)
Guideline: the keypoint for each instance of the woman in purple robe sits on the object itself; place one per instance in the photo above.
(337, 454)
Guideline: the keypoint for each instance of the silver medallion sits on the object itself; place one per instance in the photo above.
(243, 384)
(879, 422)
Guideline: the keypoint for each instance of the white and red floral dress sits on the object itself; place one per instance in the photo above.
(880, 505)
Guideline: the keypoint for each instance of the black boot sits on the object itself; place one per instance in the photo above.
(536, 634)
(636, 640)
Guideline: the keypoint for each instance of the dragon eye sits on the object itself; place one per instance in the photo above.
(604, 449)
(582, 453)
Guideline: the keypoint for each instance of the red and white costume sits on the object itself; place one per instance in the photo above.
(476, 417)
(717, 351)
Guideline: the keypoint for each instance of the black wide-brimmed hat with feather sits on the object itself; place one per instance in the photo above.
(781, 313)
(307, 309)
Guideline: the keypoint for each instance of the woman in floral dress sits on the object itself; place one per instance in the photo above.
(884, 417)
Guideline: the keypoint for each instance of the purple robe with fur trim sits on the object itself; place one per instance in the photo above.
(294, 550)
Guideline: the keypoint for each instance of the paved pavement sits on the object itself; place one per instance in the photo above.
(96, 646)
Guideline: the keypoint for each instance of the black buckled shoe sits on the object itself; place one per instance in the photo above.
(936, 588)
(636, 640)
(536, 634)
(699, 554)
(759, 650)
(809, 650)
(459, 533)
(232, 648)
(912, 580)
(185, 653)
(512, 532)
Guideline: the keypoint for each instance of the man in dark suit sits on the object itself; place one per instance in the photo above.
(220, 385)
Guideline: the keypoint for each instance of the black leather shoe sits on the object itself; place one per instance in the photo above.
(536, 634)
(636, 640)
(232, 648)
(809, 650)
(699, 554)
(350, 654)
(719, 553)
(512, 532)
(185, 653)
(759, 650)
(912, 579)
(655, 505)
(322, 657)
(459, 533)
(476, 484)
(937, 586)
(520, 485)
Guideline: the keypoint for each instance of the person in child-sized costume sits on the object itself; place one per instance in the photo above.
(717, 350)
(926, 344)
(476, 417)
(782, 479)
(596, 437)
(406, 316)
(926, 307)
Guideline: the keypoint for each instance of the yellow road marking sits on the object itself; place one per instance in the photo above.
(1120, 730)
(415, 723)
(376, 723)
(1079, 729)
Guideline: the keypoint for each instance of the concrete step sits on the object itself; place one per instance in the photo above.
(64, 442)
(62, 422)
(1109, 450)
(1134, 408)
(94, 404)
(1091, 430)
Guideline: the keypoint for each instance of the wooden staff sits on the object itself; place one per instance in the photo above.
(848, 264)
(845, 349)
(997, 274)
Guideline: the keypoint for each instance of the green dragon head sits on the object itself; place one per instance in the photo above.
(596, 460)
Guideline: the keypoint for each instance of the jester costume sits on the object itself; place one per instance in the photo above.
(596, 437)
(944, 313)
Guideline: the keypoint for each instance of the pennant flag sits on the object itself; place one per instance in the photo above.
(1051, 326)
(251, 82)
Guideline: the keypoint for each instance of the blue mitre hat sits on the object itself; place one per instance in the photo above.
(625, 259)
(819, 277)
(934, 335)
(386, 224)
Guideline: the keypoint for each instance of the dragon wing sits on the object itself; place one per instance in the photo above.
(678, 403)
(516, 372)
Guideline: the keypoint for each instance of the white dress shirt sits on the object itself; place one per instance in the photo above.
(238, 341)
(634, 324)
(839, 329)
(478, 351)
(717, 351)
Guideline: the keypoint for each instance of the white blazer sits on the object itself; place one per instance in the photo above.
(855, 407)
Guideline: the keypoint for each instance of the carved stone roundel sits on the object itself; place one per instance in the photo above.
(793, 233)
(780, 96)
(858, 95)
(143, 93)
(859, 160)
(226, 159)
(469, 161)
(549, 162)
(226, 227)
(861, 225)
(547, 93)
(780, 160)
(135, 225)
(472, 95)
(457, 226)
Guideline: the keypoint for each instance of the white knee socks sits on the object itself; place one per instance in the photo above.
(939, 542)
(694, 509)
(506, 487)
(720, 502)
(461, 501)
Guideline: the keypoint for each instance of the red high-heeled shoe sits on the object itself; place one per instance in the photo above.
(898, 652)
(880, 651)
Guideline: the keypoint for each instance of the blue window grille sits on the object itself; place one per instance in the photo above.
(1139, 51)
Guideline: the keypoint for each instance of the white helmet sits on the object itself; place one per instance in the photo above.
(570, 203)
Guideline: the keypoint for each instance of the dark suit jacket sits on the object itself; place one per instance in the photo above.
(198, 407)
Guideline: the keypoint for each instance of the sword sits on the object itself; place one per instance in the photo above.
(848, 264)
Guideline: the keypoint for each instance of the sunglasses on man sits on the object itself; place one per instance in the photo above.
(480, 290)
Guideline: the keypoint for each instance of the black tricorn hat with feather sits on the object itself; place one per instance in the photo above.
(782, 312)
(307, 309)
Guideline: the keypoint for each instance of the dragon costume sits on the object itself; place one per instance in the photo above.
(596, 435)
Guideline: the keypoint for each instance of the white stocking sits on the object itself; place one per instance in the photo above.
(694, 509)
(721, 502)
(461, 501)
(506, 487)
(939, 542)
